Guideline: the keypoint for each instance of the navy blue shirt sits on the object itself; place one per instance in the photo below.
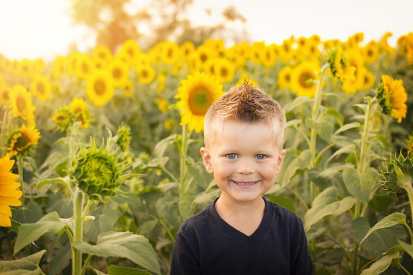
(206, 244)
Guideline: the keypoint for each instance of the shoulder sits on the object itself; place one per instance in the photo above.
(284, 215)
(198, 222)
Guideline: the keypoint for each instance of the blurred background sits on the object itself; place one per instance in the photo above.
(46, 28)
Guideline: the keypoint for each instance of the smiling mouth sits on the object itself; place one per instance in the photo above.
(243, 183)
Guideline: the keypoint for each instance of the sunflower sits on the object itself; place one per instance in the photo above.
(72, 63)
(146, 74)
(169, 124)
(21, 141)
(256, 51)
(84, 66)
(60, 66)
(21, 104)
(370, 51)
(204, 53)
(131, 49)
(339, 65)
(186, 49)
(196, 94)
(102, 53)
(127, 89)
(384, 45)
(286, 50)
(244, 77)
(169, 52)
(5, 96)
(41, 88)
(9, 195)
(302, 79)
(392, 97)
(119, 71)
(368, 79)
(224, 70)
(268, 56)
(354, 59)
(26, 68)
(163, 105)
(284, 77)
(161, 82)
(99, 88)
(81, 111)
(331, 44)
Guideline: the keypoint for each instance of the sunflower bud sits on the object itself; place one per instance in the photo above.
(397, 174)
(97, 172)
(124, 137)
(63, 118)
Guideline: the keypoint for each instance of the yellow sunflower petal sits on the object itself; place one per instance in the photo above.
(5, 220)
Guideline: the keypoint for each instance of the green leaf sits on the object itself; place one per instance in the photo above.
(293, 164)
(64, 181)
(406, 248)
(296, 102)
(324, 126)
(359, 186)
(123, 244)
(28, 233)
(346, 127)
(147, 226)
(327, 203)
(351, 148)
(388, 221)
(282, 201)
(381, 265)
(161, 146)
(30, 213)
(336, 114)
(116, 270)
(379, 241)
(293, 122)
(24, 266)
(61, 259)
(380, 202)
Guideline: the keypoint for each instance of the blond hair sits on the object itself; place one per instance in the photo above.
(245, 103)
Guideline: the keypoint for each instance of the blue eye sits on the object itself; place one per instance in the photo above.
(232, 156)
(260, 156)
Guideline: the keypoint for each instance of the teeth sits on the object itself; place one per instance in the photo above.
(245, 183)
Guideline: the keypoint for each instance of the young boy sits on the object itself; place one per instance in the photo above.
(241, 232)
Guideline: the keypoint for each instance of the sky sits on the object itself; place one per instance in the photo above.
(43, 29)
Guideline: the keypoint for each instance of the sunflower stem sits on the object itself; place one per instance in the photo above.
(183, 204)
(78, 233)
(313, 133)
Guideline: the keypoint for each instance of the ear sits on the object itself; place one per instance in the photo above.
(280, 160)
(206, 157)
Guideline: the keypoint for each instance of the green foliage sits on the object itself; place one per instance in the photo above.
(27, 266)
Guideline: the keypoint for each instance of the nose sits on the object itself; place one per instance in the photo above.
(245, 166)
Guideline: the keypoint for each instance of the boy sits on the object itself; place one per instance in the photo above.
(241, 232)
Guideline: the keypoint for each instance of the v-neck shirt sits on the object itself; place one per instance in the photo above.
(206, 244)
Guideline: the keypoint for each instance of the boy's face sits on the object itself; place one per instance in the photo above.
(244, 159)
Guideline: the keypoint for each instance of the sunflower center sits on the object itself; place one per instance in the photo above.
(304, 77)
(85, 68)
(224, 72)
(203, 57)
(117, 73)
(145, 73)
(21, 104)
(287, 78)
(5, 95)
(100, 87)
(170, 53)
(22, 142)
(40, 88)
(199, 101)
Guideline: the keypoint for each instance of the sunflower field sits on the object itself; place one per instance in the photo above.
(100, 163)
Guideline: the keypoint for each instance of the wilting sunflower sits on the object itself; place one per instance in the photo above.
(41, 88)
(302, 79)
(146, 74)
(21, 141)
(63, 118)
(196, 94)
(81, 111)
(392, 97)
(21, 104)
(99, 88)
(284, 77)
(119, 71)
(223, 70)
(9, 195)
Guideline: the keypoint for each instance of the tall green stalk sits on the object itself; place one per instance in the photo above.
(78, 233)
(20, 164)
(184, 204)
(314, 116)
